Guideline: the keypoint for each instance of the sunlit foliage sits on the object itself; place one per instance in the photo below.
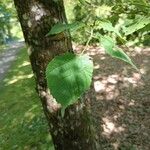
(121, 13)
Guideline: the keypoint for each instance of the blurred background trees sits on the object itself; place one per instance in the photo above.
(121, 13)
(9, 26)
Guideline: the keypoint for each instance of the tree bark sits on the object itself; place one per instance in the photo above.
(75, 131)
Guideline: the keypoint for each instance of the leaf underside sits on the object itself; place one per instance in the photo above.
(68, 77)
(114, 51)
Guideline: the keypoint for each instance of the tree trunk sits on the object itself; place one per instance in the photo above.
(75, 131)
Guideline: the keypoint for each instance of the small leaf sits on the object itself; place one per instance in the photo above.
(57, 28)
(114, 51)
(60, 27)
(68, 77)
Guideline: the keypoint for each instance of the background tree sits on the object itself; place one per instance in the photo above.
(76, 129)
(9, 26)
(121, 14)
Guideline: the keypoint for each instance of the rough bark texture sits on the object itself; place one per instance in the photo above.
(75, 131)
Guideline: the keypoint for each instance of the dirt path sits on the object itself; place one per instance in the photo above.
(8, 56)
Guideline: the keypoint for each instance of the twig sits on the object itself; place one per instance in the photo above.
(87, 43)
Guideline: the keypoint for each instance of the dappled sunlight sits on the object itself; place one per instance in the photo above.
(29, 115)
(17, 78)
(99, 87)
(116, 145)
(131, 103)
(38, 11)
(96, 66)
(21, 72)
(122, 98)
(22, 122)
(143, 70)
(25, 63)
(110, 127)
(108, 85)
(91, 50)
(135, 80)
(121, 107)
(139, 51)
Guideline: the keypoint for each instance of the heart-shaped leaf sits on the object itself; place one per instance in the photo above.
(68, 77)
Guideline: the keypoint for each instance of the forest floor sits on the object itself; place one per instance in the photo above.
(121, 106)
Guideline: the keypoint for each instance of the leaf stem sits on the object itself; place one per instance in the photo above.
(88, 41)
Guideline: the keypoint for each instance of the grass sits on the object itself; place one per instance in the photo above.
(22, 123)
(2, 48)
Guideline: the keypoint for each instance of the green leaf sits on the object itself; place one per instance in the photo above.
(61, 27)
(139, 23)
(57, 28)
(68, 77)
(114, 51)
